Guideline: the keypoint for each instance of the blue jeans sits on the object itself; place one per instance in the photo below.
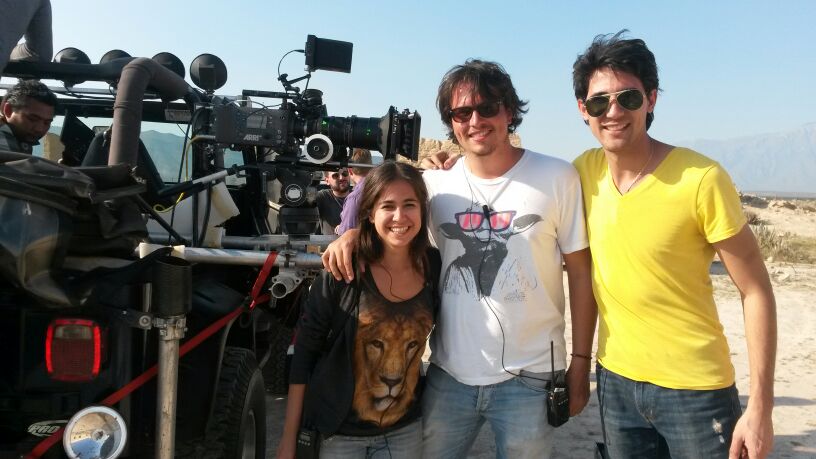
(641, 420)
(403, 443)
(454, 412)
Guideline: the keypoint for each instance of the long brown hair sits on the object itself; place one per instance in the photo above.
(370, 245)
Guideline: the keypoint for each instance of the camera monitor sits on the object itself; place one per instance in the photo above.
(76, 137)
(325, 54)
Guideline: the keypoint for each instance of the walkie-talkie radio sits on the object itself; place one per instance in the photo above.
(557, 396)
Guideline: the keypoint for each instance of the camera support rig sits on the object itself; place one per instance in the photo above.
(281, 149)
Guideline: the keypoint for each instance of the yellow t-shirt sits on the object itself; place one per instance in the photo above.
(651, 253)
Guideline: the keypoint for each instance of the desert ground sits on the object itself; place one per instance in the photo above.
(795, 388)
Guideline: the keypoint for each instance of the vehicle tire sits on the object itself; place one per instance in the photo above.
(275, 372)
(239, 416)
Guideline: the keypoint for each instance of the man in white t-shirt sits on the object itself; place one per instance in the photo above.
(503, 220)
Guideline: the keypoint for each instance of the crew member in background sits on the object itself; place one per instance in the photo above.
(330, 201)
(348, 218)
(26, 113)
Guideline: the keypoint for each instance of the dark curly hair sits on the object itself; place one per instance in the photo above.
(370, 244)
(619, 54)
(491, 82)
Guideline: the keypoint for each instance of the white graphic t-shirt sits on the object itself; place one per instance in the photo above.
(501, 284)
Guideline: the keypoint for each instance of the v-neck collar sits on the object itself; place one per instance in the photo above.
(644, 183)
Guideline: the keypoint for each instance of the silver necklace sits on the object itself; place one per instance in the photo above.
(643, 168)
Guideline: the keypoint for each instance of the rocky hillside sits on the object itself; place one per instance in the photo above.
(429, 146)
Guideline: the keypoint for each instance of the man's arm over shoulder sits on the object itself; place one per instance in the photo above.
(443, 160)
(741, 257)
(337, 258)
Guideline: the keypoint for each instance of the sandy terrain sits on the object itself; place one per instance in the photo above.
(790, 216)
(795, 389)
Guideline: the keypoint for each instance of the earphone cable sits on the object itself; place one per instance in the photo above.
(482, 296)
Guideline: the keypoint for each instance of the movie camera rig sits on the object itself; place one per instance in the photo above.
(265, 219)
(281, 146)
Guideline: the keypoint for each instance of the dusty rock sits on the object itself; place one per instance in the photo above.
(430, 146)
(753, 201)
(782, 204)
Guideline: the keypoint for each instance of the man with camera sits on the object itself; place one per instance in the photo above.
(498, 349)
(26, 113)
(330, 201)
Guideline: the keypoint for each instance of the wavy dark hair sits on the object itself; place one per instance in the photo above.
(19, 94)
(619, 54)
(370, 245)
(491, 82)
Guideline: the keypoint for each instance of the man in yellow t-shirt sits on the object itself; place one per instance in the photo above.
(656, 214)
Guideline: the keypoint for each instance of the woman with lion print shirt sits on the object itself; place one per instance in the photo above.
(356, 381)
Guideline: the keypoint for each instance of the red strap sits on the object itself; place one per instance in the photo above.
(257, 297)
(140, 380)
(188, 346)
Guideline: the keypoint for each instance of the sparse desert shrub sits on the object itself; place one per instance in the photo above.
(773, 244)
(753, 218)
(804, 248)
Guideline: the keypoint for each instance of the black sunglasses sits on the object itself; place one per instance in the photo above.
(336, 175)
(485, 110)
(630, 99)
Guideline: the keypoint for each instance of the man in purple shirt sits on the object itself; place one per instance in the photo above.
(348, 217)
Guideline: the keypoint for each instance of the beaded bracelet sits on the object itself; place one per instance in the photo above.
(582, 356)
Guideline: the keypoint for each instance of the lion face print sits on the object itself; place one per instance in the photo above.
(388, 348)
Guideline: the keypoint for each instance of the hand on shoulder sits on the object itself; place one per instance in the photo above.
(440, 160)
(337, 258)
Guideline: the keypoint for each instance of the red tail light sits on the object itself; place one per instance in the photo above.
(73, 349)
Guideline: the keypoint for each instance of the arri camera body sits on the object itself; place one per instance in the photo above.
(302, 129)
(297, 137)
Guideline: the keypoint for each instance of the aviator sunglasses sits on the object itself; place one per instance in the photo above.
(336, 175)
(630, 99)
(485, 110)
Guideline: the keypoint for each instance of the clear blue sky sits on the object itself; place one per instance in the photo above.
(727, 68)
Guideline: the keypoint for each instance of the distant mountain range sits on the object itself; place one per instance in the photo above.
(778, 162)
(165, 149)
(783, 162)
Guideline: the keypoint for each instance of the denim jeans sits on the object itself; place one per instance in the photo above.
(454, 412)
(403, 443)
(642, 420)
